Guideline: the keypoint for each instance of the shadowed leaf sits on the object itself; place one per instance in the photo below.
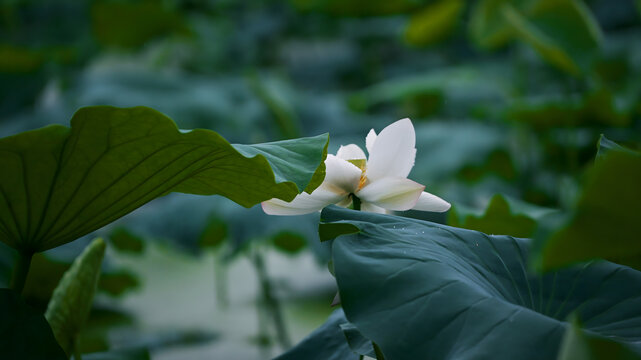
(24, 333)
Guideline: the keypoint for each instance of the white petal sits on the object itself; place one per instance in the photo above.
(350, 152)
(393, 152)
(392, 193)
(369, 140)
(341, 176)
(372, 208)
(345, 202)
(429, 202)
(303, 203)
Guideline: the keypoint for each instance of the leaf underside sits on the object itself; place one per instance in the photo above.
(59, 183)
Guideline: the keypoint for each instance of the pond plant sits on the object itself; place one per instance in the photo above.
(409, 289)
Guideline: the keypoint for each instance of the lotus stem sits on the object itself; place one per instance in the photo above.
(21, 270)
(220, 281)
(270, 300)
(77, 354)
(356, 202)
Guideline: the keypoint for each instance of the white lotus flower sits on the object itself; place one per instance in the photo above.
(380, 183)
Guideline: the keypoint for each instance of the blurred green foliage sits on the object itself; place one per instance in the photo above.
(508, 99)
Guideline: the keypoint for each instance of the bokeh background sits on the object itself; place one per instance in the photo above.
(508, 99)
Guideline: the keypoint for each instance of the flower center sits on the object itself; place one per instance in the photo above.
(361, 164)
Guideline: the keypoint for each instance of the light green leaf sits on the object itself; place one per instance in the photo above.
(72, 300)
(325, 343)
(434, 23)
(60, 183)
(421, 290)
(24, 332)
(605, 221)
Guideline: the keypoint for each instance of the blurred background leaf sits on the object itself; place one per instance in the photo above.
(507, 97)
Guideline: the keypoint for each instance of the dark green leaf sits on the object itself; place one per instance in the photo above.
(331, 231)
(289, 242)
(72, 300)
(325, 343)
(501, 217)
(133, 24)
(60, 183)
(357, 342)
(593, 109)
(605, 221)
(215, 232)
(421, 290)
(357, 7)
(434, 23)
(124, 240)
(24, 333)
(117, 282)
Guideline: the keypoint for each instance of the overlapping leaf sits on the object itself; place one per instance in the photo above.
(605, 221)
(72, 300)
(326, 343)
(426, 291)
(24, 333)
(60, 183)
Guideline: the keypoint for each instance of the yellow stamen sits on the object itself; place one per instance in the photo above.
(362, 181)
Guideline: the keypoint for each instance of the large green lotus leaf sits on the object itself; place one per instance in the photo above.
(605, 221)
(328, 342)
(24, 333)
(59, 183)
(421, 290)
